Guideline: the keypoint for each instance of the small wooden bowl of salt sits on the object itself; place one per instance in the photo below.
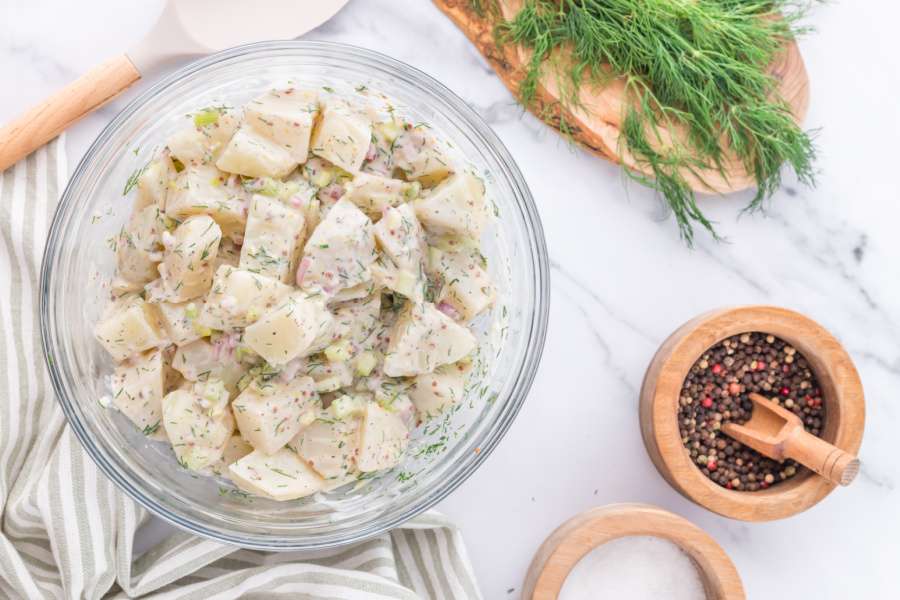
(633, 551)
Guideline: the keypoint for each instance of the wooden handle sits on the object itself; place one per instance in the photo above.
(47, 120)
(830, 462)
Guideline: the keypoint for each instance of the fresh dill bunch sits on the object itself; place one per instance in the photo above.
(695, 66)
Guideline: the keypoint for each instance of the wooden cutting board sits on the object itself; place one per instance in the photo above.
(596, 122)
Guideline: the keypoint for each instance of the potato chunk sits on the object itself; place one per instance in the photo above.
(383, 439)
(290, 330)
(433, 393)
(465, 285)
(187, 264)
(342, 136)
(204, 142)
(201, 360)
(402, 242)
(153, 184)
(137, 388)
(420, 156)
(199, 427)
(179, 320)
(373, 193)
(279, 476)
(339, 252)
(272, 241)
(129, 326)
(238, 298)
(138, 246)
(254, 155)
(286, 117)
(235, 449)
(457, 206)
(329, 446)
(269, 413)
(205, 190)
(424, 338)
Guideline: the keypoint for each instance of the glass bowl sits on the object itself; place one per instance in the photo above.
(78, 264)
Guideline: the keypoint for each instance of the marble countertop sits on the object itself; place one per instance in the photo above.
(622, 281)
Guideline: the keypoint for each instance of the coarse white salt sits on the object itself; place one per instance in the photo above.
(636, 568)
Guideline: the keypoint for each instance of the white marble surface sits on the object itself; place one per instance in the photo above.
(622, 281)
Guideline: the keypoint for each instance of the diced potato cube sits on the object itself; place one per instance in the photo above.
(180, 321)
(279, 476)
(342, 137)
(286, 117)
(269, 413)
(254, 155)
(466, 286)
(272, 241)
(402, 243)
(339, 252)
(205, 190)
(421, 157)
(433, 393)
(356, 321)
(201, 360)
(422, 339)
(153, 184)
(187, 264)
(138, 246)
(129, 326)
(203, 143)
(373, 193)
(235, 449)
(238, 298)
(457, 206)
(329, 446)
(383, 439)
(198, 428)
(290, 330)
(137, 388)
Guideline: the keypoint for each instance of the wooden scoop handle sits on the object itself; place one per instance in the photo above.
(829, 461)
(51, 117)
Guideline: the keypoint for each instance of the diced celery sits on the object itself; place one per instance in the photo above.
(339, 351)
(206, 117)
(365, 362)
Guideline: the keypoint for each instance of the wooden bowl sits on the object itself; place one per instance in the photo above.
(842, 394)
(575, 538)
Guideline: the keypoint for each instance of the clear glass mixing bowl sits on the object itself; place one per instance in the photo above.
(78, 263)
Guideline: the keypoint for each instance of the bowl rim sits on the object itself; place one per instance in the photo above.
(534, 335)
(844, 417)
(563, 549)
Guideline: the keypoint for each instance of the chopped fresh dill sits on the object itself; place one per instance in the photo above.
(133, 179)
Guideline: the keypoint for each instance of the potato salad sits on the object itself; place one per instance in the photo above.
(295, 289)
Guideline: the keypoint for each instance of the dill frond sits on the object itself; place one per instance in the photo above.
(698, 66)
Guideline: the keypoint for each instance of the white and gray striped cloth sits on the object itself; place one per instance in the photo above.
(68, 532)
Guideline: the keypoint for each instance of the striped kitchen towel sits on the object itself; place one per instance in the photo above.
(68, 532)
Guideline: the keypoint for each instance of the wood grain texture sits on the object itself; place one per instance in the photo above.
(841, 387)
(51, 117)
(575, 538)
(596, 124)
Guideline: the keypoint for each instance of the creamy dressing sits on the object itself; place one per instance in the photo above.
(295, 290)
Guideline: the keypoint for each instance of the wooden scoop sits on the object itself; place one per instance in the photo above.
(778, 433)
(186, 28)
